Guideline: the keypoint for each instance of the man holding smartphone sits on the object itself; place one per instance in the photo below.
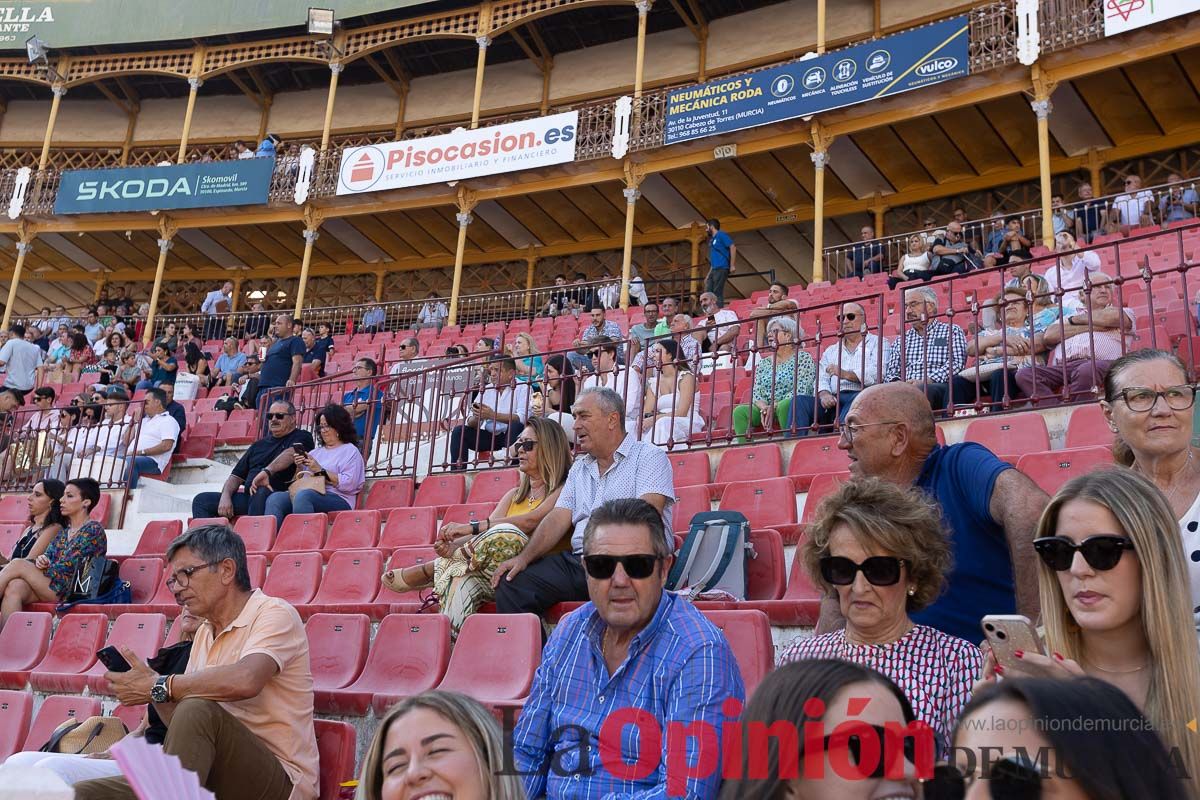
(497, 417)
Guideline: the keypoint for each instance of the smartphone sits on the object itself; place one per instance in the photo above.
(112, 658)
(1008, 633)
(299, 448)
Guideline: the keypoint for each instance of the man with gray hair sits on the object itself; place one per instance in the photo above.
(929, 352)
(241, 716)
(849, 365)
(613, 465)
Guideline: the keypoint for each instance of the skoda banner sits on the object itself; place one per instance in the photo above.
(461, 154)
(198, 185)
(880, 68)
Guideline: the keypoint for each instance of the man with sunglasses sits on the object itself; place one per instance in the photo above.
(250, 483)
(990, 509)
(612, 465)
(600, 660)
(849, 366)
(1134, 207)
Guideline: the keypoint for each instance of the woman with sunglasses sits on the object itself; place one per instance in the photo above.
(1148, 402)
(1099, 541)
(1022, 740)
(789, 696)
(470, 552)
(774, 380)
(881, 548)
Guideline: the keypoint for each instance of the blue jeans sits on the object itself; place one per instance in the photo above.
(803, 407)
(139, 466)
(280, 504)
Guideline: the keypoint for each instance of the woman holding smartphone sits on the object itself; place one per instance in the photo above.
(337, 459)
(1115, 602)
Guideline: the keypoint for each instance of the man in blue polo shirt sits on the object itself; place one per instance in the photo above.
(722, 253)
(281, 367)
(991, 510)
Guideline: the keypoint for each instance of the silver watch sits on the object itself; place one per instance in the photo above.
(158, 694)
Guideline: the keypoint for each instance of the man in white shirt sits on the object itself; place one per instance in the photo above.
(217, 304)
(20, 360)
(849, 366)
(108, 437)
(722, 325)
(239, 147)
(433, 312)
(156, 439)
(607, 374)
(497, 416)
(1133, 208)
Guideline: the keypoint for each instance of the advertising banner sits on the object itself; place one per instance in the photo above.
(884, 67)
(459, 155)
(1127, 15)
(196, 185)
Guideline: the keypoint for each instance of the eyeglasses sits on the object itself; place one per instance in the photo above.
(848, 430)
(850, 316)
(278, 415)
(183, 577)
(878, 570)
(594, 354)
(525, 446)
(1141, 399)
(637, 567)
(1100, 552)
(1010, 778)
(854, 745)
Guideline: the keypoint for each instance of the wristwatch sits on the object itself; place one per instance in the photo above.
(159, 693)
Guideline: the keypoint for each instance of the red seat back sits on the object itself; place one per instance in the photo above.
(821, 485)
(689, 501)
(409, 655)
(294, 577)
(405, 557)
(764, 503)
(353, 529)
(749, 634)
(409, 526)
(351, 577)
(141, 633)
(156, 536)
(1088, 428)
(337, 648)
(1051, 469)
(489, 486)
(390, 493)
(258, 533)
(23, 644)
(16, 711)
(814, 455)
(335, 749)
(301, 532)
(754, 462)
(14, 508)
(1010, 434)
(54, 711)
(689, 468)
(766, 573)
(73, 648)
(144, 575)
(468, 512)
(10, 534)
(474, 668)
(441, 490)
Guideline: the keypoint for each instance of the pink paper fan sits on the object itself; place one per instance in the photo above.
(152, 774)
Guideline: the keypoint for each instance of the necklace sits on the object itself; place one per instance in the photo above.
(1119, 671)
(1171, 494)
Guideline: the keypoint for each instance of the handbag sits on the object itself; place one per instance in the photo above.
(97, 582)
(306, 480)
(93, 735)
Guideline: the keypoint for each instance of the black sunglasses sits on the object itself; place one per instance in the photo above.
(1010, 778)
(851, 316)
(854, 745)
(878, 570)
(1100, 552)
(526, 445)
(637, 567)
(278, 415)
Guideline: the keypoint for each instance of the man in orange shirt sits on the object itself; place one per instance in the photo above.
(241, 715)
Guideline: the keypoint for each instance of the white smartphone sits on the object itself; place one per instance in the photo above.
(1008, 633)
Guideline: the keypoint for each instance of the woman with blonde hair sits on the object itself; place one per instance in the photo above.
(1115, 602)
(525, 354)
(470, 552)
(438, 743)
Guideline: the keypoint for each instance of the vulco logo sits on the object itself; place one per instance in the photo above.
(937, 66)
(132, 189)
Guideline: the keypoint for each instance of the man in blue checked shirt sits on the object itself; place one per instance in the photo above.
(633, 648)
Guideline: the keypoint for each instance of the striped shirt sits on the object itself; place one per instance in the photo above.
(680, 669)
(934, 669)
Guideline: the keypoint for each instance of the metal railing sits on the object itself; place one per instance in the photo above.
(1170, 203)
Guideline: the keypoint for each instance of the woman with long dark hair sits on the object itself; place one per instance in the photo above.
(558, 393)
(45, 521)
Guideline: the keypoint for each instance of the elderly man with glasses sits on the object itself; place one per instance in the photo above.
(849, 365)
(238, 497)
(363, 401)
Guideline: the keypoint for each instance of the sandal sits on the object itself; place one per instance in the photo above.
(394, 580)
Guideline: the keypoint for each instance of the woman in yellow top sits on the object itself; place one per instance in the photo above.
(470, 552)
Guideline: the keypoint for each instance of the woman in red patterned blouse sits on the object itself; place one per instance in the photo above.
(882, 549)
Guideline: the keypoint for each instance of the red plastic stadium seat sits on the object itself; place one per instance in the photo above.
(336, 745)
(23, 644)
(749, 463)
(689, 501)
(256, 565)
(749, 635)
(294, 577)
(821, 485)
(765, 503)
(141, 633)
(814, 455)
(16, 710)
(766, 576)
(489, 486)
(14, 508)
(1088, 428)
(237, 431)
(157, 535)
(143, 574)
(100, 512)
(130, 715)
(800, 604)
(468, 512)
(408, 526)
(390, 493)
(1010, 434)
(10, 534)
(55, 711)
(195, 445)
(301, 532)
(689, 468)
(1050, 470)
(258, 533)
(353, 529)
(438, 490)
(409, 657)
(196, 522)
(208, 429)
(474, 668)
(337, 648)
(352, 578)
(72, 651)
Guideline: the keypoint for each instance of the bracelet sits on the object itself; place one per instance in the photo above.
(170, 679)
(474, 527)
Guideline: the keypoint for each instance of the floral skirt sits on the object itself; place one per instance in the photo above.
(463, 582)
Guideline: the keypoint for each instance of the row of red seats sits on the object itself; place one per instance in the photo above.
(20, 730)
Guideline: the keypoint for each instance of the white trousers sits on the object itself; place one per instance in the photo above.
(71, 769)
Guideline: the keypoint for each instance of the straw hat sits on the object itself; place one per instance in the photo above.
(93, 735)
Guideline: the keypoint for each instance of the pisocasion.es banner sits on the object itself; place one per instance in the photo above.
(884, 67)
(196, 185)
(459, 155)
